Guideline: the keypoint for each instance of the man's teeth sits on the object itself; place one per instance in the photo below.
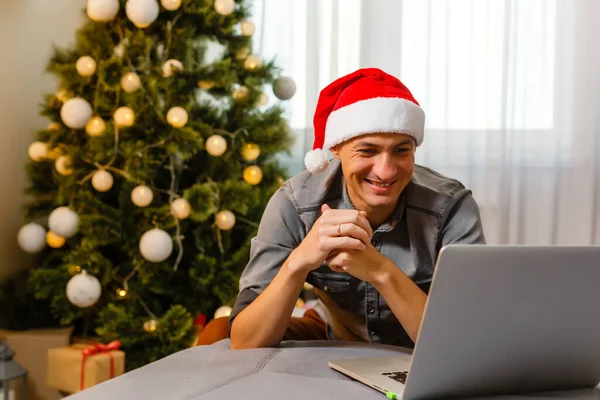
(379, 184)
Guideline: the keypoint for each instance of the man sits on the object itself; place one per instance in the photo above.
(365, 230)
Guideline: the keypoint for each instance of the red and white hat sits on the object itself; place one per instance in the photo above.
(365, 101)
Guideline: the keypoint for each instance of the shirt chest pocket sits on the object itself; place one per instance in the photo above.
(334, 285)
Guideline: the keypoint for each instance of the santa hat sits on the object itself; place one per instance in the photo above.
(365, 101)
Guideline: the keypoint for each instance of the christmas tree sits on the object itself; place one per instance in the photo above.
(151, 179)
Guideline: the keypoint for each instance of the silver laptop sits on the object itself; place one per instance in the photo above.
(499, 320)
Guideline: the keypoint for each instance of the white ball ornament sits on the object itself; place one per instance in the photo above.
(64, 165)
(180, 208)
(224, 7)
(130, 82)
(170, 66)
(38, 151)
(284, 88)
(102, 10)
(32, 238)
(83, 290)
(216, 145)
(76, 112)
(95, 126)
(316, 161)
(225, 220)
(223, 311)
(142, 12)
(102, 180)
(86, 66)
(177, 117)
(124, 117)
(171, 5)
(248, 28)
(64, 222)
(142, 196)
(156, 245)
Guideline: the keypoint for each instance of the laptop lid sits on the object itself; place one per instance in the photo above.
(509, 319)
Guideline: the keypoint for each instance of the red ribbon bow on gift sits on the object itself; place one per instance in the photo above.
(99, 348)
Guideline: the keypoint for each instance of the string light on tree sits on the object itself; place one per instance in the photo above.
(142, 12)
(224, 7)
(83, 290)
(253, 62)
(225, 220)
(180, 208)
(64, 222)
(240, 94)
(253, 175)
(102, 180)
(64, 165)
(119, 50)
(150, 325)
(177, 117)
(121, 293)
(130, 82)
(124, 117)
(95, 126)
(248, 28)
(170, 66)
(171, 5)
(216, 145)
(102, 10)
(223, 311)
(250, 151)
(156, 245)
(86, 66)
(76, 112)
(206, 85)
(32, 238)
(74, 269)
(142, 196)
(284, 88)
(55, 241)
(38, 151)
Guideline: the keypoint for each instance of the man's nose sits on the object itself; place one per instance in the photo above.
(385, 167)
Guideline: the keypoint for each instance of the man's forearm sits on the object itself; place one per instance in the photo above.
(264, 321)
(406, 300)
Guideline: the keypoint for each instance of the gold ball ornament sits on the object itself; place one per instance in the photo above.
(224, 7)
(248, 28)
(124, 117)
(142, 196)
(95, 126)
(225, 220)
(102, 180)
(250, 151)
(150, 325)
(130, 82)
(242, 53)
(253, 62)
(64, 165)
(253, 175)
(54, 126)
(171, 5)
(180, 208)
(170, 66)
(86, 66)
(206, 85)
(216, 145)
(240, 94)
(177, 117)
(38, 151)
(74, 269)
(55, 241)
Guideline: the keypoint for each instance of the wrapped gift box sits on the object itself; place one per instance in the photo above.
(70, 370)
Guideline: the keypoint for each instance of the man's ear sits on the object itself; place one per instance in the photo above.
(335, 151)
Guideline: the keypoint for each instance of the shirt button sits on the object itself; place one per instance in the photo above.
(326, 288)
(371, 310)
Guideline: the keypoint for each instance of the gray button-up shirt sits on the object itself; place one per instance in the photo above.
(433, 211)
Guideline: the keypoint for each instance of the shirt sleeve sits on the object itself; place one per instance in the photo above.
(463, 224)
(280, 232)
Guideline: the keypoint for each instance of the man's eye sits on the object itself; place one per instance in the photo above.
(402, 150)
(366, 151)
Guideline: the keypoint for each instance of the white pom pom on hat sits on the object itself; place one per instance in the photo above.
(365, 101)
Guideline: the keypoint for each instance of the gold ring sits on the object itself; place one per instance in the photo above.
(339, 229)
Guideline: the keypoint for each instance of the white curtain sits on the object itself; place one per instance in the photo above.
(511, 92)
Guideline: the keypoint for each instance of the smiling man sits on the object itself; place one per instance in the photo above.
(365, 230)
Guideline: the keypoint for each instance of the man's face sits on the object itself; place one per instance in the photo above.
(376, 167)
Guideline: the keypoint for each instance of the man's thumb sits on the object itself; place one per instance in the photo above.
(325, 207)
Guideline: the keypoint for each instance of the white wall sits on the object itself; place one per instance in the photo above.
(28, 28)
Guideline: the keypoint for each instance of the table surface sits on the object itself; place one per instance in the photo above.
(295, 370)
